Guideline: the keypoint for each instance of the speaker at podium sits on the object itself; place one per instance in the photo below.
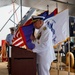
(23, 62)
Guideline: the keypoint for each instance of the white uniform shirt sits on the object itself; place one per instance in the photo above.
(44, 46)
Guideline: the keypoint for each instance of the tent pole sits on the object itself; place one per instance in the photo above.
(21, 10)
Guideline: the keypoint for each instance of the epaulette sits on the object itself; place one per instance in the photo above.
(44, 28)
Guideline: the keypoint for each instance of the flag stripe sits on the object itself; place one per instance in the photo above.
(17, 40)
(19, 44)
(23, 37)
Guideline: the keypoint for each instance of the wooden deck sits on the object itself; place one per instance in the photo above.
(53, 71)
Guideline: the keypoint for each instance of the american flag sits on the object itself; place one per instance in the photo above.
(17, 40)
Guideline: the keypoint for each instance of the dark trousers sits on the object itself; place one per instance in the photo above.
(9, 62)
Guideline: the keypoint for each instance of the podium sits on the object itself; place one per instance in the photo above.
(23, 62)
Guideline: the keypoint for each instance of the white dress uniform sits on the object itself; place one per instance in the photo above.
(44, 49)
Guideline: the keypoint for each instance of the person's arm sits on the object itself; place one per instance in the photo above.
(7, 39)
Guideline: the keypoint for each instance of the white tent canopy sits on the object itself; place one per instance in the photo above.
(5, 14)
(42, 4)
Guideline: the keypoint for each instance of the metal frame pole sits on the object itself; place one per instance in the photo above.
(9, 19)
(21, 10)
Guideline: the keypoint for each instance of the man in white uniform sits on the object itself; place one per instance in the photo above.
(43, 46)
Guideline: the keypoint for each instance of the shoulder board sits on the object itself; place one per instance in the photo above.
(44, 28)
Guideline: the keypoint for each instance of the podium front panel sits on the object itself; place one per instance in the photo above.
(23, 62)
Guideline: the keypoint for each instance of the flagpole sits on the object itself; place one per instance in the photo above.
(58, 59)
(58, 50)
(14, 14)
(56, 5)
(48, 8)
(21, 10)
(69, 56)
(68, 49)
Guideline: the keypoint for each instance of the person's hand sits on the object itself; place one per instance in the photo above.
(29, 50)
(32, 38)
